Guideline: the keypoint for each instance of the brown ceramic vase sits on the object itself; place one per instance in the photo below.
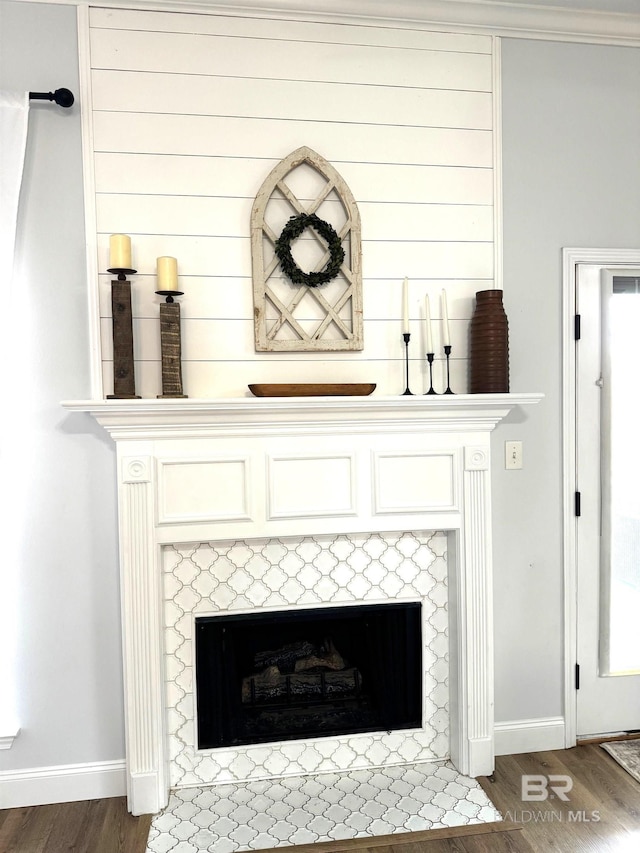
(489, 345)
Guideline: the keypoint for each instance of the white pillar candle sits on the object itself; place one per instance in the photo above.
(405, 306)
(427, 323)
(446, 339)
(167, 273)
(119, 252)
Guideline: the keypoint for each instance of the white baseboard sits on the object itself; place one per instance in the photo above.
(64, 783)
(538, 735)
(68, 783)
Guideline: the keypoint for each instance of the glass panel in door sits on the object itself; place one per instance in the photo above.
(620, 472)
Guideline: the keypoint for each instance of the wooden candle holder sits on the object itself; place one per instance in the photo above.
(171, 345)
(124, 383)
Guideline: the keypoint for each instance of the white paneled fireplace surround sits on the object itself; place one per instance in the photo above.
(235, 507)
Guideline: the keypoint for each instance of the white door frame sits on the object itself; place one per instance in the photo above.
(570, 259)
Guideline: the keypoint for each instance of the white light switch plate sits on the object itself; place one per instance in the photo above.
(512, 455)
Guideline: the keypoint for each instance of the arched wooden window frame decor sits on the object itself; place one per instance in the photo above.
(278, 327)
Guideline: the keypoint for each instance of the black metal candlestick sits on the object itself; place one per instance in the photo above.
(430, 357)
(447, 352)
(124, 383)
(171, 345)
(406, 337)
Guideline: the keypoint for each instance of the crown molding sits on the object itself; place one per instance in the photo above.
(491, 17)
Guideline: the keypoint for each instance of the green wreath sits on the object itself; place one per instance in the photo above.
(294, 228)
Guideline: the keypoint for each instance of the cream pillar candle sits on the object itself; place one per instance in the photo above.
(167, 273)
(119, 252)
(427, 324)
(405, 306)
(446, 339)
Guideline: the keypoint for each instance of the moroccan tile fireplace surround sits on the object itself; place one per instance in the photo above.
(254, 506)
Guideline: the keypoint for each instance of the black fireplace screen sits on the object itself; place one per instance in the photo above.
(308, 673)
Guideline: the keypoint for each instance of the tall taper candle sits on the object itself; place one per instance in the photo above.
(446, 339)
(427, 323)
(119, 252)
(405, 306)
(167, 274)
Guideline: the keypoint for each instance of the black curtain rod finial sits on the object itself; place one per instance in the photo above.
(62, 97)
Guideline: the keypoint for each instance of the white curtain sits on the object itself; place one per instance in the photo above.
(14, 116)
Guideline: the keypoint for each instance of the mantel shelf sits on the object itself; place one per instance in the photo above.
(442, 413)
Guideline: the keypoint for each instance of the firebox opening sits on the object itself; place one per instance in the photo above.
(308, 673)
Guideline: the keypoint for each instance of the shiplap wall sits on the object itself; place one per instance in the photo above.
(189, 114)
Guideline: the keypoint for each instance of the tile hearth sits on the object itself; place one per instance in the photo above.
(271, 813)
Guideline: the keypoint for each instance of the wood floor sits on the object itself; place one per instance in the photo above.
(601, 789)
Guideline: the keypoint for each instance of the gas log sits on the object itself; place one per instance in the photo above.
(285, 657)
(314, 673)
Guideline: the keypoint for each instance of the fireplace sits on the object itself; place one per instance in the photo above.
(258, 470)
(311, 673)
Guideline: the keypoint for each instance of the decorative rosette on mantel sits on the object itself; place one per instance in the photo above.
(489, 345)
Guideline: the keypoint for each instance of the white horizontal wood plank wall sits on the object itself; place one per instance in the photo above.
(190, 112)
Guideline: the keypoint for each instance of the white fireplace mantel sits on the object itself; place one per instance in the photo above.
(154, 417)
(196, 470)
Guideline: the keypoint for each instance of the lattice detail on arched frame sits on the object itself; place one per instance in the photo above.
(297, 318)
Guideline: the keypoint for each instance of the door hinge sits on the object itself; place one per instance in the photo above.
(577, 676)
(577, 504)
(576, 327)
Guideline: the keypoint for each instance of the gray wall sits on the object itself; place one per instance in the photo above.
(69, 672)
(571, 127)
(571, 178)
